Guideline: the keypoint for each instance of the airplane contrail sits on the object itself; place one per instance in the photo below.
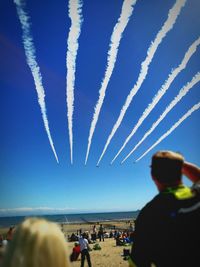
(168, 25)
(173, 103)
(33, 65)
(184, 117)
(126, 12)
(192, 49)
(75, 9)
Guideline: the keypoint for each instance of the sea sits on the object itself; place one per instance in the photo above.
(74, 218)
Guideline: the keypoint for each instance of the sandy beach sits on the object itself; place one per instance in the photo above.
(110, 255)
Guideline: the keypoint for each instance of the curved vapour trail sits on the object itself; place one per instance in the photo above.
(32, 63)
(174, 102)
(75, 8)
(160, 93)
(168, 25)
(126, 12)
(184, 117)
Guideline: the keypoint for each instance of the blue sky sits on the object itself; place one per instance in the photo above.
(30, 178)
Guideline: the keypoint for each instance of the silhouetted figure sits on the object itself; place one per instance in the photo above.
(101, 232)
(167, 228)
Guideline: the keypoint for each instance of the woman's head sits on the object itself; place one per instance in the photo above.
(37, 243)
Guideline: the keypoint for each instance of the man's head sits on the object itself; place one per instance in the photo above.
(84, 235)
(166, 168)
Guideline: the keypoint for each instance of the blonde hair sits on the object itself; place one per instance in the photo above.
(37, 243)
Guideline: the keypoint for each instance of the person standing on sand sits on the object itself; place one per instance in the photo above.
(84, 247)
(94, 229)
(10, 233)
(1, 239)
(167, 228)
(101, 232)
(94, 233)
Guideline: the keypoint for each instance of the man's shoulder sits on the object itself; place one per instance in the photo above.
(155, 207)
(149, 207)
(154, 202)
(164, 202)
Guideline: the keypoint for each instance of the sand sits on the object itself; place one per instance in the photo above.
(110, 255)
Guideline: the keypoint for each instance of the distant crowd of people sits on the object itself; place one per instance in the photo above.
(165, 234)
(40, 230)
(125, 235)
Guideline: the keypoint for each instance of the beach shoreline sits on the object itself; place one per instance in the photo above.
(69, 228)
(76, 221)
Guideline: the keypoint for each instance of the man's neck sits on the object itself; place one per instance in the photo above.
(161, 187)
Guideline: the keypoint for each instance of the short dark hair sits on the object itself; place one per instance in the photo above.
(166, 167)
(84, 235)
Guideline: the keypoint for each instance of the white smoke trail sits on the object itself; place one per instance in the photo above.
(75, 8)
(126, 12)
(174, 102)
(184, 117)
(192, 49)
(168, 25)
(32, 63)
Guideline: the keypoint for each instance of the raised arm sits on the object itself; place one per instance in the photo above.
(191, 171)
